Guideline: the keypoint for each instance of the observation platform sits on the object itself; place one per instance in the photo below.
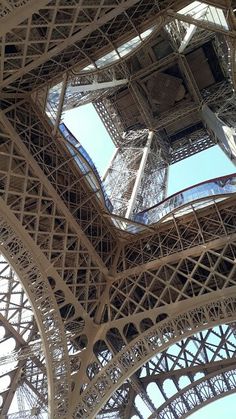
(200, 194)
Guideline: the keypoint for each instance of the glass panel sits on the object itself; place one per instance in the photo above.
(202, 11)
(221, 186)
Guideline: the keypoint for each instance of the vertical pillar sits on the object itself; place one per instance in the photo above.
(110, 164)
(191, 31)
(224, 135)
(140, 173)
(166, 180)
(60, 105)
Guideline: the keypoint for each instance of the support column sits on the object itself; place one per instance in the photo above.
(60, 105)
(110, 164)
(137, 175)
(224, 135)
(140, 174)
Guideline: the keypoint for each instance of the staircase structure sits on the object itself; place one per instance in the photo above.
(114, 294)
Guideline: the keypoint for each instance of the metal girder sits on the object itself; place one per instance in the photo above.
(219, 213)
(98, 86)
(192, 380)
(59, 32)
(205, 284)
(46, 138)
(18, 253)
(107, 301)
(202, 227)
(11, 392)
(173, 258)
(13, 13)
(75, 34)
(126, 362)
(16, 325)
(204, 391)
(202, 24)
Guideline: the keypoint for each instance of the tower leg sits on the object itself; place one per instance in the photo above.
(140, 175)
(137, 176)
(224, 135)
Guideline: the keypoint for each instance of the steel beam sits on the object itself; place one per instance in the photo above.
(12, 14)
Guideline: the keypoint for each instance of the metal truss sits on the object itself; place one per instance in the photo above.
(25, 365)
(185, 32)
(121, 70)
(109, 312)
(47, 318)
(213, 387)
(178, 234)
(185, 35)
(200, 247)
(121, 177)
(136, 178)
(154, 181)
(72, 191)
(141, 347)
(191, 144)
(113, 125)
(68, 34)
(173, 383)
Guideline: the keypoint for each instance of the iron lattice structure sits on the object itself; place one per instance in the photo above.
(100, 307)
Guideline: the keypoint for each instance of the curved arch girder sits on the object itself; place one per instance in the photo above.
(156, 339)
(198, 394)
(25, 363)
(34, 280)
(167, 374)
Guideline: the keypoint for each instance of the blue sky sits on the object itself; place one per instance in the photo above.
(224, 408)
(87, 127)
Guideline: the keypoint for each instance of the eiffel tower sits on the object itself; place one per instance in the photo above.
(116, 301)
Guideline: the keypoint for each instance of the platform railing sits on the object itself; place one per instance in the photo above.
(85, 164)
(224, 185)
